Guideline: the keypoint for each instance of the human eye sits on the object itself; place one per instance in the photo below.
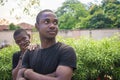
(55, 22)
(24, 38)
(46, 21)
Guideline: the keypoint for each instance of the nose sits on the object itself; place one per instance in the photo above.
(21, 42)
(52, 26)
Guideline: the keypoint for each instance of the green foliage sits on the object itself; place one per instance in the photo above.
(112, 10)
(13, 27)
(99, 21)
(75, 15)
(70, 14)
(94, 58)
(6, 62)
(94, 8)
(102, 16)
(96, 21)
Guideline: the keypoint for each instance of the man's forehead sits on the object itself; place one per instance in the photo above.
(21, 34)
(48, 15)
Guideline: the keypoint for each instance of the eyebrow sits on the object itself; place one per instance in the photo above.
(48, 19)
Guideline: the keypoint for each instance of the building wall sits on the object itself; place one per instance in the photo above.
(8, 36)
(95, 34)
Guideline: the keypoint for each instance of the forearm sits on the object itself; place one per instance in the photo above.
(62, 73)
(14, 73)
(31, 75)
(52, 74)
(22, 79)
(20, 74)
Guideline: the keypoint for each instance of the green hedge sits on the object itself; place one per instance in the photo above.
(94, 58)
(6, 62)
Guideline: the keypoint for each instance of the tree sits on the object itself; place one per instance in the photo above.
(106, 15)
(2, 2)
(71, 13)
(112, 10)
(13, 27)
(94, 8)
(27, 7)
(99, 21)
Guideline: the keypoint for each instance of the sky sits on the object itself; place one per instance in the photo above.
(44, 4)
(54, 4)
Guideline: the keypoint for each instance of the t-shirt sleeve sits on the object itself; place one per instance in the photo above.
(15, 59)
(29, 58)
(25, 62)
(68, 57)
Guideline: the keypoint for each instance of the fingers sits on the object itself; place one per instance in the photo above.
(32, 47)
(25, 44)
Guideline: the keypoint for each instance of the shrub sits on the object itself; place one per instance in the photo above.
(94, 58)
(13, 27)
(6, 62)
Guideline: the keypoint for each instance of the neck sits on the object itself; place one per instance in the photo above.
(47, 43)
(22, 51)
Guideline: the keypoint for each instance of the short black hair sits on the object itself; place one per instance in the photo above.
(18, 31)
(40, 13)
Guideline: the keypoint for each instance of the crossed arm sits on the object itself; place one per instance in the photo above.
(61, 73)
(15, 70)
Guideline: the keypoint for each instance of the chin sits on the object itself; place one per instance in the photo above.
(51, 37)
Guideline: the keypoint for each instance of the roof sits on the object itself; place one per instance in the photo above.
(25, 26)
(4, 27)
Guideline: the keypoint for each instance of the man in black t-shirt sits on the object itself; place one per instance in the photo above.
(52, 60)
(22, 39)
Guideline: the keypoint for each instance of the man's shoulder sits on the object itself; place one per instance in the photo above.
(64, 46)
(16, 53)
(33, 51)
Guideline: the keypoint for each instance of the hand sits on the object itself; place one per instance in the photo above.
(19, 63)
(24, 45)
(22, 79)
(27, 72)
(33, 47)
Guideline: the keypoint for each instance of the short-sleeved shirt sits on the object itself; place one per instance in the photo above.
(15, 59)
(45, 61)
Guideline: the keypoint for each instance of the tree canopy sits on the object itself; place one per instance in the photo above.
(27, 7)
(71, 13)
(75, 15)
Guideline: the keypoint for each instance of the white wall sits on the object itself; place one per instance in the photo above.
(95, 34)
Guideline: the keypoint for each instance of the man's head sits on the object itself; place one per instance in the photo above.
(47, 24)
(22, 38)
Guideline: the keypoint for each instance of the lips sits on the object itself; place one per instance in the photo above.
(52, 32)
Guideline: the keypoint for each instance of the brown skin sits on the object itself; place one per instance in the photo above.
(48, 29)
(22, 41)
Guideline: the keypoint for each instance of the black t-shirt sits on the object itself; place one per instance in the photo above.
(15, 59)
(45, 61)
